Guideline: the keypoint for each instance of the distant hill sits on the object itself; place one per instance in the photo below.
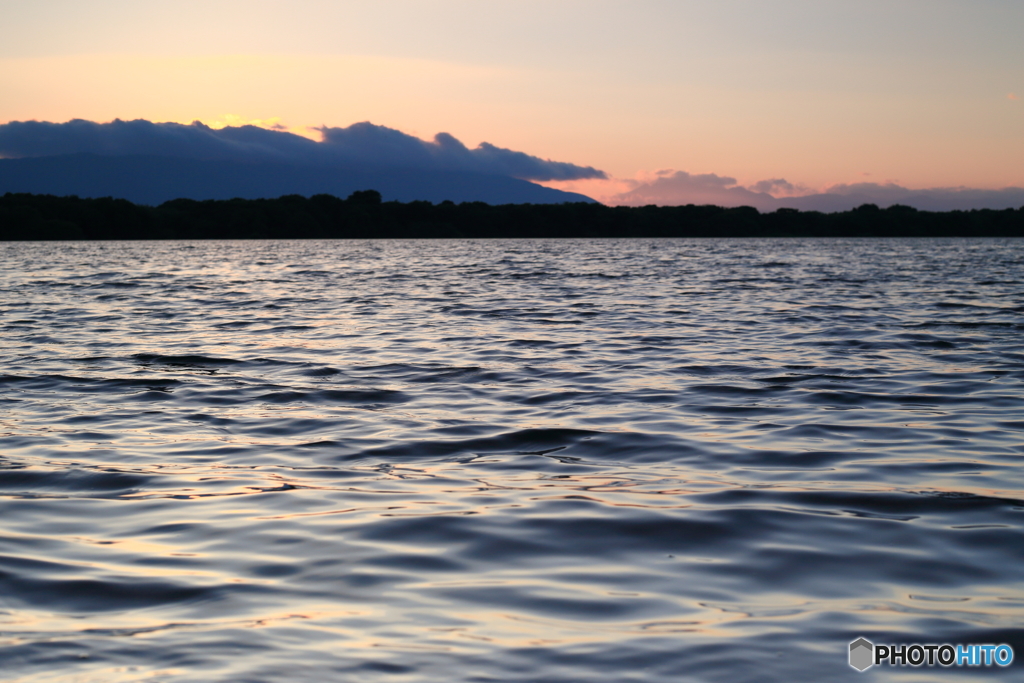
(152, 180)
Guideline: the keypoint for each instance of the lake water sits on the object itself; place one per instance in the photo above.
(508, 460)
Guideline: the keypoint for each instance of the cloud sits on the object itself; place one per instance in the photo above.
(361, 144)
(680, 187)
(673, 188)
(847, 196)
(370, 144)
(779, 187)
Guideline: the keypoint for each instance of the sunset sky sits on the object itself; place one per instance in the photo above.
(920, 93)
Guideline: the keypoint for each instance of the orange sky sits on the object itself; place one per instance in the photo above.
(924, 94)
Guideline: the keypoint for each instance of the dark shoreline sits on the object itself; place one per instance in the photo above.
(364, 216)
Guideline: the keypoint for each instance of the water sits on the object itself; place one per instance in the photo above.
(605, 460)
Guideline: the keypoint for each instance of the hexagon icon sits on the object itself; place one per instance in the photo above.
(862, 654)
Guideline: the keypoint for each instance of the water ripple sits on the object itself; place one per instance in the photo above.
(506, 460)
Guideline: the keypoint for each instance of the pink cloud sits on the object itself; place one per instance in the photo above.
(680, 187)
(675, 188)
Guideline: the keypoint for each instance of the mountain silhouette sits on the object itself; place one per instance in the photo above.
(152, 180)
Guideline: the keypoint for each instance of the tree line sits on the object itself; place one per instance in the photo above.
(364, 215)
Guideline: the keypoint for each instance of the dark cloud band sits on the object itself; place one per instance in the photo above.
(359, 145)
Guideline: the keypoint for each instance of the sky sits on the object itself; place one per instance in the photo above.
(778, 98)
